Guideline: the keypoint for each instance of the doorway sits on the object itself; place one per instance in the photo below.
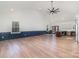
(55, 29)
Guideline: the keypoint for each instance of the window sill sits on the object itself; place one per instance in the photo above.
(15, 32)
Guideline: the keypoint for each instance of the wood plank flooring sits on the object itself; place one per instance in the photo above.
(43, 46)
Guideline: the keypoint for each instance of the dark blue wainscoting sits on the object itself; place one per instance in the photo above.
(8, 35)
(4, 36)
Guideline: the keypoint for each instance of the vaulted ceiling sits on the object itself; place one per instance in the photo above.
(67, 8)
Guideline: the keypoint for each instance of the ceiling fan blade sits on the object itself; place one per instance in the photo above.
(49, 9)
(56, 9)
(56, 12)
(53, 9)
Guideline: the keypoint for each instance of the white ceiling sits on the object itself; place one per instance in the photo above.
(65, 6)
(39, 4)
(68, 8)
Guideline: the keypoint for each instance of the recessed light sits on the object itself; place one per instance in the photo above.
(12, 9)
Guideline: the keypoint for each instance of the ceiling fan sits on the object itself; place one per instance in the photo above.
(53, 10)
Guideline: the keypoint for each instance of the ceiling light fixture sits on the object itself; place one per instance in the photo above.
(12, 9)
(53, 10)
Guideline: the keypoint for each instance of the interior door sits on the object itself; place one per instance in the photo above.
(55, 29)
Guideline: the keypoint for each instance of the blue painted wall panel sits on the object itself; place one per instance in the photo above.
(8, 35)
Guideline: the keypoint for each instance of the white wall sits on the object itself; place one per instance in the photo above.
(29, 19)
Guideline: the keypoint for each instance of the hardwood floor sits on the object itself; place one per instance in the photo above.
(44, 46)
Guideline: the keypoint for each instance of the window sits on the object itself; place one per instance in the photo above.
(15, 26)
